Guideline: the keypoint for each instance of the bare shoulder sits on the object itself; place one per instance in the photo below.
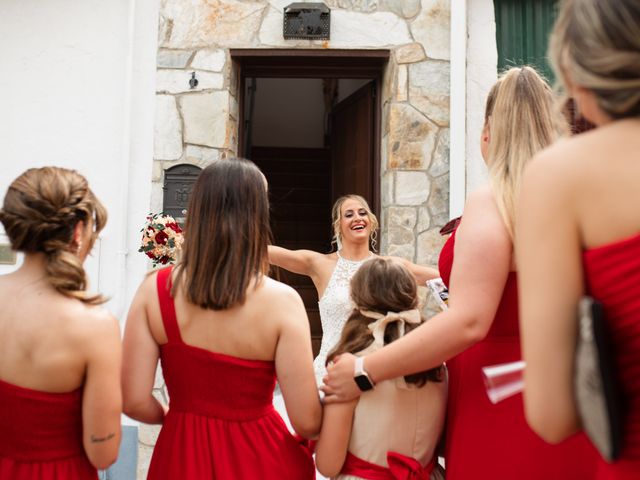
(327, 258)
(99, 317)
(92, 324)
(482, 220)
(562, 157)
(481, 203)
(148, 285)
(559, 169)
(274, 293)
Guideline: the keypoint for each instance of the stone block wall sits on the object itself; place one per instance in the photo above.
(200, 125)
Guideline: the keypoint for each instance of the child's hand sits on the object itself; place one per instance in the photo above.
(339, 385)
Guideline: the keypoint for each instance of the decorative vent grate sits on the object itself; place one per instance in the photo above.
(310, 21)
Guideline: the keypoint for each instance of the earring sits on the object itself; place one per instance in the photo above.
(78, 248)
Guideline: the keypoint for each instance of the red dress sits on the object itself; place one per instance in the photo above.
(221, 422)
(612, 274)
(41, 435)
(486, 441)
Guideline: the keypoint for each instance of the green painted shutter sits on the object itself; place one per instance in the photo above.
(522, 33)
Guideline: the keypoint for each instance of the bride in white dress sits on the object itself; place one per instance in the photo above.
(354, 229)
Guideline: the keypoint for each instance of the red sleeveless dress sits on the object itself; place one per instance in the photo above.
(221, 422)
(612, 274)
(41, 435)
(486, 441)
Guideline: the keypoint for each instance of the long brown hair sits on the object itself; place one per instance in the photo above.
(41, 210)
(522, 120)
(226, 235)
(381, 285)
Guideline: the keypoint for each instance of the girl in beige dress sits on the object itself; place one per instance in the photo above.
(394, 427)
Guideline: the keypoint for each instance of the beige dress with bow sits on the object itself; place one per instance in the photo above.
(396, 416)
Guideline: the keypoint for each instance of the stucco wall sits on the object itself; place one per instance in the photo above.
(77, 90)
(482, 67)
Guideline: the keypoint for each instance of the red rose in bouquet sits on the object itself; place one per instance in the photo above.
(161, 238)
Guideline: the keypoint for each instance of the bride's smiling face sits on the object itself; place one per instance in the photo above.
(355, 224)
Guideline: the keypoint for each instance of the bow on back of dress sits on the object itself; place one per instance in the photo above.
(378, 327)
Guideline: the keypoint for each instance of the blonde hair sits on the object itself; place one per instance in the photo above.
(336, 215)
(41, 210)
(522, 120)
(598, 44)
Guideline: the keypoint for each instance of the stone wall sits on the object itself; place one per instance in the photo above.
(200, 125)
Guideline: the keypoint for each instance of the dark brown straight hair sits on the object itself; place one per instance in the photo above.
(226, 235)
(382, 285)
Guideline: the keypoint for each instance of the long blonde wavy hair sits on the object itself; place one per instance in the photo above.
(521, 120)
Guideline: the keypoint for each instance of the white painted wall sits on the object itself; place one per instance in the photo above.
(458, 109)
(77, 90)
(482, 67)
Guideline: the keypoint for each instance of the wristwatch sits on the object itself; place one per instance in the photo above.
(361, 377)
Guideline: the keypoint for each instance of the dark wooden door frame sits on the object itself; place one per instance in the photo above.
(315, 63)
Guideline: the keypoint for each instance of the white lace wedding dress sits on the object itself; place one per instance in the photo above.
(335, 307)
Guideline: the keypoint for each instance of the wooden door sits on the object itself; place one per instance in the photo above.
(299, 192)
(353, 123)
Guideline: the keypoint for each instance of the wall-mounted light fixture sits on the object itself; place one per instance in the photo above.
(193, 81)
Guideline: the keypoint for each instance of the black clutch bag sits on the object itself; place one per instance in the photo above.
(596, 392)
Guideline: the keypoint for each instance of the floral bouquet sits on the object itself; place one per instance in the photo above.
(161, 239)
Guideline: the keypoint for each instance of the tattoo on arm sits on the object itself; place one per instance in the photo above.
(95, 439)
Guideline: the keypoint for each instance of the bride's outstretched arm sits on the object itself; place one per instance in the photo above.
(296, 261)
(422, 273)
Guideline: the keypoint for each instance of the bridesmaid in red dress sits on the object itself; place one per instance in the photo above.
(592, 243)
(480, 328)
(60, 397)
(224, 332)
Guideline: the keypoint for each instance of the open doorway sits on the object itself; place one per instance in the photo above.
(312, 125)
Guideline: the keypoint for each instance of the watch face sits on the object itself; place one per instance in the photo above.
(363, 382)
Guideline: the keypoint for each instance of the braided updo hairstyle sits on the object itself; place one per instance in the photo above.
(41, 210)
